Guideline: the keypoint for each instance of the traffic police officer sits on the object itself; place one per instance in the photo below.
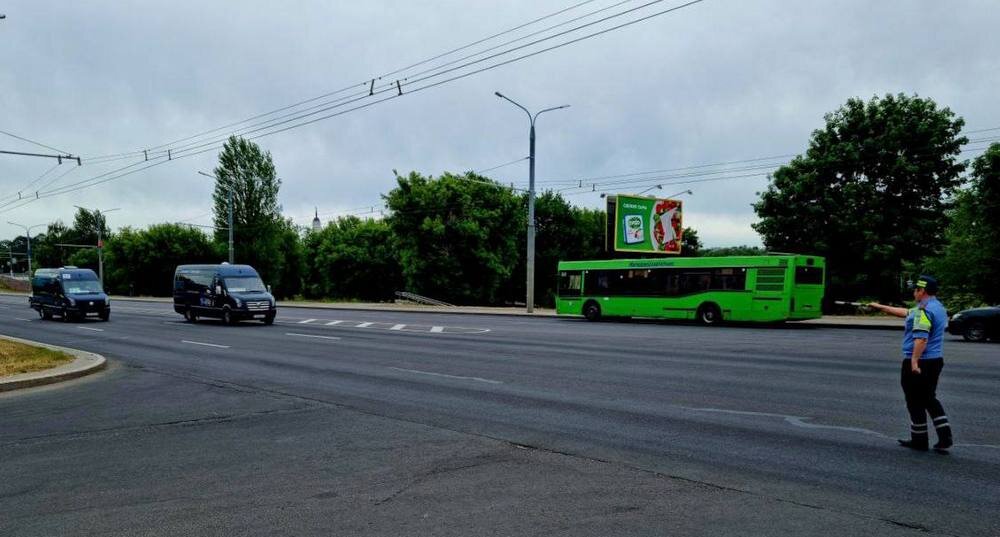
(923, 359)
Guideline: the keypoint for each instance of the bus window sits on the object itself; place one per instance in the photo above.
(808, 276)
(570, 283)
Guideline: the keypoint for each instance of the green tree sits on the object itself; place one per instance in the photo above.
(726, 251)
(262, 238)
(352, 258)
(563, 232)
(142, 262)
(456, 235)
(690, 243)
(868, 194)
(969, 266)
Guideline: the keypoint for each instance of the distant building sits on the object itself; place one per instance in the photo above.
(316, 223)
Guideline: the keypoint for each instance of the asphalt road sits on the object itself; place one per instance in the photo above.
(339, 422)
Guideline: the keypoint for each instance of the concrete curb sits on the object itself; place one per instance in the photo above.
(84, 364)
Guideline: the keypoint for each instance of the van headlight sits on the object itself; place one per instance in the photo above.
(239, 303)
(72, 301)
(956, 317)
(107, 301)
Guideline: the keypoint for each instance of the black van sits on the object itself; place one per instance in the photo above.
(69, 292)
(228, 292)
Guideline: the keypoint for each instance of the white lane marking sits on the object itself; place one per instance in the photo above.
(364, 325)
(418, 372)
(89, 328)
(306, 321)
(398, 327)
(205, 344)
(797, 421)
(333, 323)
(23, 319)
(437, 329)
(310, 335)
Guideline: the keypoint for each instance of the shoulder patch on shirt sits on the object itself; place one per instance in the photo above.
(921, 321)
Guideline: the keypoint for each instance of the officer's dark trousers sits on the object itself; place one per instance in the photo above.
(921, 399)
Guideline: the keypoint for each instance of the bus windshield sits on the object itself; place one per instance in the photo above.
(80, 287)
(245, 284)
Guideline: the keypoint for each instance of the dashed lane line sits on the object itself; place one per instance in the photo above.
(364, 325)
(456, 377)
(89, 328)
(205, 344)
(293, 334)
(306, 321)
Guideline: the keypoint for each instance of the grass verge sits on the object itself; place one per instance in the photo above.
(16, 358)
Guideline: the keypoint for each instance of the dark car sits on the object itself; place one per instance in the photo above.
(977, 324)
(70, 293)
(229, 292)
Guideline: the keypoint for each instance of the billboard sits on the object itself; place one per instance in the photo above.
(644, 225)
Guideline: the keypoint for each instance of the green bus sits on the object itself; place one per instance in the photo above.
(768, 288)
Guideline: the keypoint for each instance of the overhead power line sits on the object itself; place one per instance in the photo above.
(39, 144)
(204, 147)
(363, 84)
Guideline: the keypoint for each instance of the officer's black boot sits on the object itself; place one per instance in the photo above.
(918, 437)
(944, 434)
(915, 444)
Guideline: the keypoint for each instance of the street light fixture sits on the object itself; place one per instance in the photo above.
(530, 298)
(27, 234)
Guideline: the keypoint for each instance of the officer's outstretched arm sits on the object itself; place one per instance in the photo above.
(890, 310)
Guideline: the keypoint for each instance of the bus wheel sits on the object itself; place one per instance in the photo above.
(709, 313)
(592, 311)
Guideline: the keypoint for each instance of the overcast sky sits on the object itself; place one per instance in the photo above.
(719, 81)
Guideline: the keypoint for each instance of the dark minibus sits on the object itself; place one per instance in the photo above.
(69, 292)
(229, 292)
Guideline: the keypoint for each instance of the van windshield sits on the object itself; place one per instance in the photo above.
(80, 287)
(245, 284)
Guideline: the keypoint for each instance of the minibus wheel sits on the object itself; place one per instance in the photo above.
(227, 317)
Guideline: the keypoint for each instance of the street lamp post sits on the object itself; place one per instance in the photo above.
(27, 235)
(232, 256)
(530, 298)
(100, 238)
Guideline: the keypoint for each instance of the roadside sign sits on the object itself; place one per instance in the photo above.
(644, 224)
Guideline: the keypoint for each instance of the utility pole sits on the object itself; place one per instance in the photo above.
(27, 235)
(100, 239)
(530, 262)
(229, 196)
(232, 256)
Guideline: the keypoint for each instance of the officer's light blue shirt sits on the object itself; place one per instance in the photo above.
(926, 321)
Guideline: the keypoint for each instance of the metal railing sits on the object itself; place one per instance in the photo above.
(413, 297)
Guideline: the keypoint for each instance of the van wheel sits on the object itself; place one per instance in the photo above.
(269, 320)
(105, 316)
(592, 311)
(65, 316)
(975, 332)
(709, 314)
(227, 317)
(189, 316)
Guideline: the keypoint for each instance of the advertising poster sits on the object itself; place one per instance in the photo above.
(646, 225)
